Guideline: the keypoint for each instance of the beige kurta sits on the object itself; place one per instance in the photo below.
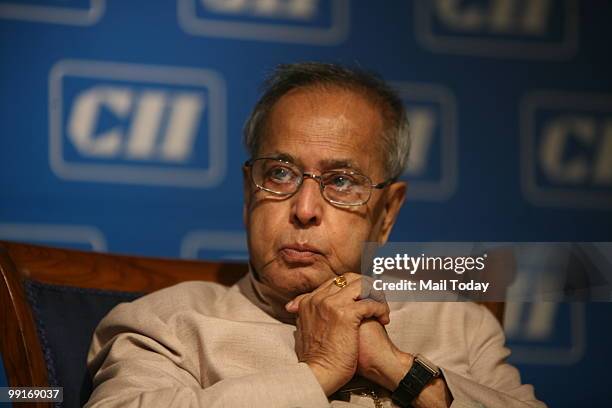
(201, 344)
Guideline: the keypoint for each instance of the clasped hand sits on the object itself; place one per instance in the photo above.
(339, 333)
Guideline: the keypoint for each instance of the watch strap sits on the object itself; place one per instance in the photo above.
(412, 384)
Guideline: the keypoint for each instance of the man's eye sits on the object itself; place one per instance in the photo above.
(280, 174)
(341, 182)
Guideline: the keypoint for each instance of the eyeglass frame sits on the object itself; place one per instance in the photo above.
(319, 179)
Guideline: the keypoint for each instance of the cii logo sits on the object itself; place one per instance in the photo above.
(70, 12)
(566, 149)
(433, 164)
(540, 329)
(548, 333)
(323, 22)
(138, 124)
(538, 29)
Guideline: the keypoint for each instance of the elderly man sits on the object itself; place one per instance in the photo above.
(327, 144)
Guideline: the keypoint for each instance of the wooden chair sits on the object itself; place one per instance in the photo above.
(41, 283)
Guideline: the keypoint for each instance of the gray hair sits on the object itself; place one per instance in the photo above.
(396, 136)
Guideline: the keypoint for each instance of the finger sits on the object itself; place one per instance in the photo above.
(329, 287)
(368, 290)
(318, 294)
(294, 305)
(369, 308)
(333, 287)
(324, 290)
(356, 290)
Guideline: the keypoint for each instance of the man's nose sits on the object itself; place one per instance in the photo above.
(307, 206)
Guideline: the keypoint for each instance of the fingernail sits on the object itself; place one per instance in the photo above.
(288, 305)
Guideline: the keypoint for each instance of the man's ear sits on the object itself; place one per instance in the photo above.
(395, 196)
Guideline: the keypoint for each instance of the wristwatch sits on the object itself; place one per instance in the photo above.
(419, 375)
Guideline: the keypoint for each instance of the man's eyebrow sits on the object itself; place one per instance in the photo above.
(339, 164)
(282, 156)
(326, 164)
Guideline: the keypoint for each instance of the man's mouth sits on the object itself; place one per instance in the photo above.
(299, 253)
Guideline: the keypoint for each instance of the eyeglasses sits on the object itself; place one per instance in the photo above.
(340, 187)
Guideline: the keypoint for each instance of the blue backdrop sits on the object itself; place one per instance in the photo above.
(121, 131)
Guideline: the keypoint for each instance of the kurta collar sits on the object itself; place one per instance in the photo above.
(265, 297)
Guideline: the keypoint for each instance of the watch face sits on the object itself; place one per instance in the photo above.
(431, 367)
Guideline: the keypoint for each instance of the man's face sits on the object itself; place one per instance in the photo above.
(297, 243)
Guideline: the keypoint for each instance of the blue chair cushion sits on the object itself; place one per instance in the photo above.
(66, 318)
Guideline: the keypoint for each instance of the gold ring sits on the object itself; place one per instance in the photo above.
(340, 281)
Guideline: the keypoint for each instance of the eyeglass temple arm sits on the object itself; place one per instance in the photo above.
(385, 183)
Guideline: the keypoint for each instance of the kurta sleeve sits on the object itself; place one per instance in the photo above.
(491, 381)
(142, 361)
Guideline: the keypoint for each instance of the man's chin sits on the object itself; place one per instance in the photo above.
(295, 280)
